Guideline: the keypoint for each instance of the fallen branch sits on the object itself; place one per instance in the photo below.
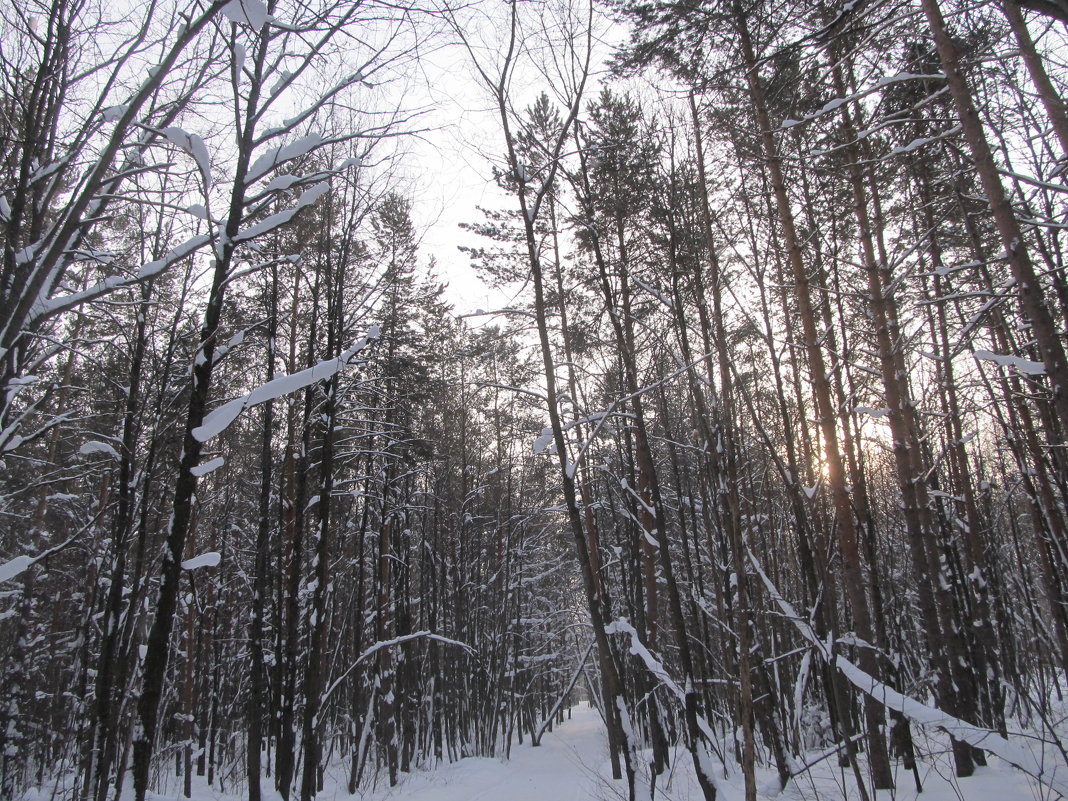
(536, 738)
(378, 646)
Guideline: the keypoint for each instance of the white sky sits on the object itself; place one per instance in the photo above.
(450, 165)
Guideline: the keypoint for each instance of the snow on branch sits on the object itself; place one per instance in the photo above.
(916, 711)
(638, 649)
(1025, 366)
(218, 421)
(46, 306)
(16, 566)
(279, 155)
(656, 667)
(883, 82)
(209, 559)
(603, 416)
(652, 290)
(95, 446)
(309, 196)
(247, 12)
(195, 147)
(20, 564)
(378, 646)
(920, 141)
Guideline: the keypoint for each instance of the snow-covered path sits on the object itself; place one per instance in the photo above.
(572, 765)
(566, 767)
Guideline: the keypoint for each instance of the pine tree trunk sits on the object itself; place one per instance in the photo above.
(1032, 297)
(260, 581)
(852, 570)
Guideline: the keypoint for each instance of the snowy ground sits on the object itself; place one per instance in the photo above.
(571, 764)
(567, 766)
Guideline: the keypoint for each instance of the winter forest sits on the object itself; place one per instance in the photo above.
(759, 466)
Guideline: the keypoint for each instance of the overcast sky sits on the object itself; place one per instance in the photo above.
(450, 166)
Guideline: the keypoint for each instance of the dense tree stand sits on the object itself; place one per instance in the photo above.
(752, 457)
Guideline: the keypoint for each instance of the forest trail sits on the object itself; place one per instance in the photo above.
(572, 765)
(567, 766)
